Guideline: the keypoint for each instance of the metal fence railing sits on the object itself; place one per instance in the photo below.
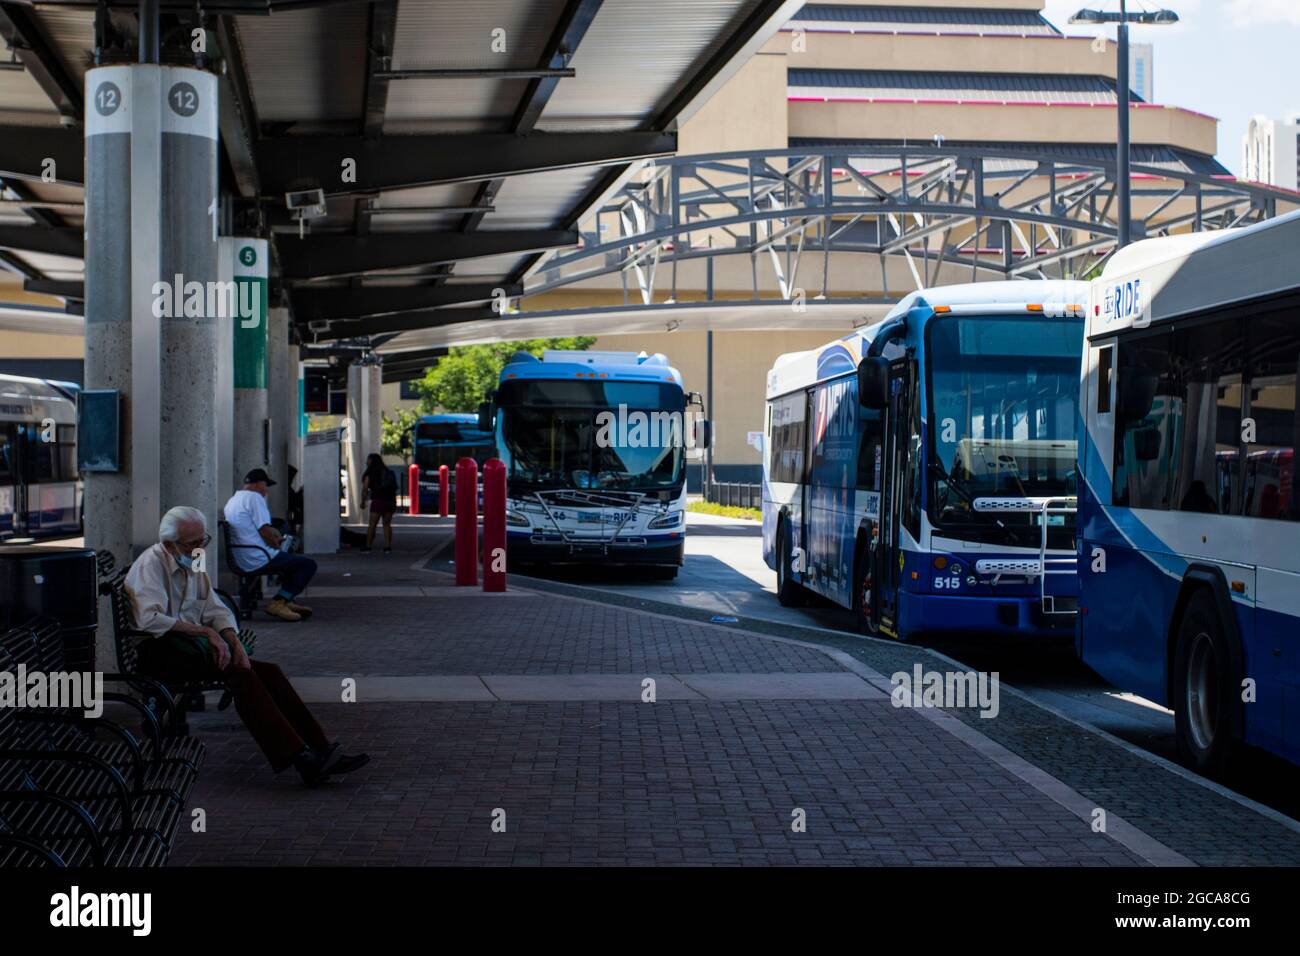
(735, 494)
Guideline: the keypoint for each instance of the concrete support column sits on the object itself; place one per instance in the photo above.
(295, 418)
(281, 381)
(251, 408)
(151, 326)
(362, 432)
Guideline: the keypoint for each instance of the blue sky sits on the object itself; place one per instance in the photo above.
(1228, 58)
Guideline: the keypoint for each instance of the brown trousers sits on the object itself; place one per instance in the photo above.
(268, 705)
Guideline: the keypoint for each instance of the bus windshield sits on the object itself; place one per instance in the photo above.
(445, 443)
(1004, 394)
(599, 435)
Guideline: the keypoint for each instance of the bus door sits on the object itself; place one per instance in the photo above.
(805, 538)
(896, 442)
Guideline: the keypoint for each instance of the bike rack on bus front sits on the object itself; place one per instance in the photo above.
(1030, 567)
(630, 502)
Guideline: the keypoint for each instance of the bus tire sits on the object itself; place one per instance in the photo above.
(664, 572)
(862, 612)
(1203, 688)
(789, 592)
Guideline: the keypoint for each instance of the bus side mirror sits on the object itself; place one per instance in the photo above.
(873, 382)
(703, 434)
(485, 417)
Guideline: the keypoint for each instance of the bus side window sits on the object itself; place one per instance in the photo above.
(1271, 489)
(1105, 369)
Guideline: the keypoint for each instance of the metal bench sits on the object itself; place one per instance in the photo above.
(250, 582)
(126, 638)
(70, 799)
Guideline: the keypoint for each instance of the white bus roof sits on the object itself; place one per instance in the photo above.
(796, 370)
(1159, 279)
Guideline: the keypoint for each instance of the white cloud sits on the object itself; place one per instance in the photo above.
(1245, 13)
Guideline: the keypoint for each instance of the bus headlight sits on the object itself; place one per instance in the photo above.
(516, 520)
(671, 520)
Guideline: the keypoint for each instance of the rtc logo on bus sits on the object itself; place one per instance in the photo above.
(1123, 301)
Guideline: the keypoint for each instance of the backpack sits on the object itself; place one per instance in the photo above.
(387, 482)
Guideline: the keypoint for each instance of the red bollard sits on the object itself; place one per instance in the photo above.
(494, 525)
(413, 489)
(466, 522)
(444, 491)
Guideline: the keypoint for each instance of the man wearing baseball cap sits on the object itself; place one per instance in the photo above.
(255, 544)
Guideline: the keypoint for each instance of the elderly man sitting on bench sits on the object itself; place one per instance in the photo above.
(196, 638)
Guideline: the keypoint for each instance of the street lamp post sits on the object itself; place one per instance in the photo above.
(1122, 176)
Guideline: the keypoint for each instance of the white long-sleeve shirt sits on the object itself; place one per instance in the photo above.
(162, 593)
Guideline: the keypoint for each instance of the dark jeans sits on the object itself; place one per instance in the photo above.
(267, 703)
(295, 570)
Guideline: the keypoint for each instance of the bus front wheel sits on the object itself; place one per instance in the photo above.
(788, 591)
(863, 597)
(1203, 688)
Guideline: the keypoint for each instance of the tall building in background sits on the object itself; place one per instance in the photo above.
(1270, 151)
(1141, 76)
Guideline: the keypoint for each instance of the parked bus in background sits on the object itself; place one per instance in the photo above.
(40, 495)
(445, 440)
(1189, 512)
(922, 471)
(595, 447)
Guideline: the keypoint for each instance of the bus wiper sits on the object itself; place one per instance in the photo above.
(936, 466)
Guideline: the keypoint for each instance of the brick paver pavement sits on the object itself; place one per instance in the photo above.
(604, 782)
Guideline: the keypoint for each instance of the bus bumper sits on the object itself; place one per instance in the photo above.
(1021, 615)
(526, 548)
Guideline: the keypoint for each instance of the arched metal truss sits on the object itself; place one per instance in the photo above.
(1003, 213)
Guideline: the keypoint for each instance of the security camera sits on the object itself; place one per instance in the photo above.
(306, 203)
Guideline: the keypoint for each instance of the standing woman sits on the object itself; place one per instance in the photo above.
(378, 482)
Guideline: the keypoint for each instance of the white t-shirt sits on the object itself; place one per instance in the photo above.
(246, 511)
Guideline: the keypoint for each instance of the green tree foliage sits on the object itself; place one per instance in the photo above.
(459, 380)
(395, 431)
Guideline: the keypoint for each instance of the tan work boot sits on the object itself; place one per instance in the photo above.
(300, 609)
(280, 608)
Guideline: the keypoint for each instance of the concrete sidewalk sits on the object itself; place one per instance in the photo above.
(521, 729)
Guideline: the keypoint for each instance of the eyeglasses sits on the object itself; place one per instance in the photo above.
(193, 543)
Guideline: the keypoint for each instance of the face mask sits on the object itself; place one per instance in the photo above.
(184, 560)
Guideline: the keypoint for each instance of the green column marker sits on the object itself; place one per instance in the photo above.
(250, 320)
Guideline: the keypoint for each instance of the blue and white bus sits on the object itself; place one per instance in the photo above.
(922, 471)
(444, 440)
(40, 493)
(595, 446)
(1189, 511)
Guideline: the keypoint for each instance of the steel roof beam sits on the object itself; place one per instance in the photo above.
(406, 322)
(323, 302)
(401, 162)
(66, 289)
(237, 114)
(43, 239)
(318, 257)
(379, 56)
(24, 149)
(20, 26)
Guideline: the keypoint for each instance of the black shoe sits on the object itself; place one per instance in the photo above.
(314, 766)
(349, 762)
(388, 550)
(364, 550)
